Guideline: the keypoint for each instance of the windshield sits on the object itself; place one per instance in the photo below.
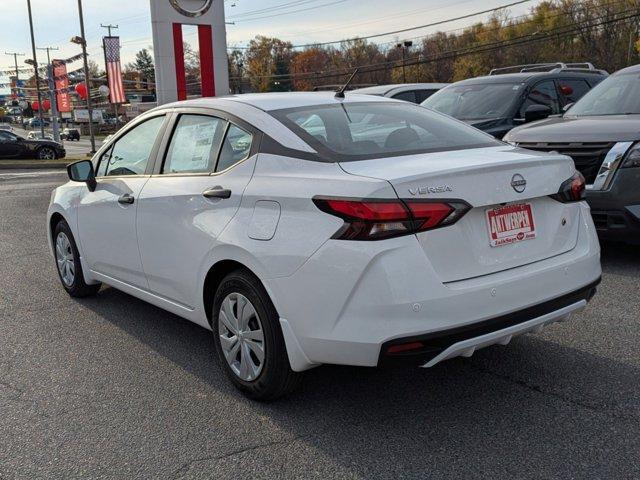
(357, 131)
(475, 102)
(617, 95)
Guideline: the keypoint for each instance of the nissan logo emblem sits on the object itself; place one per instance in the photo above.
(518, 183)
(205, 5)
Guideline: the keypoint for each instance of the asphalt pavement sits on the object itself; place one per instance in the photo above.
(111, 387)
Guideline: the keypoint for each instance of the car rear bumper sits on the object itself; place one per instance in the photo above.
(464, 341)
(616, 212)
(351, 299)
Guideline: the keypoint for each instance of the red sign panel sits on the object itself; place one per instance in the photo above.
(63, 99)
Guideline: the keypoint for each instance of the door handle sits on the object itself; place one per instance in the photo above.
(217, 192)
(126, 199)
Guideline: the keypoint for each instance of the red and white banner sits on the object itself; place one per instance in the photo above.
(63, 99)
(114, 69)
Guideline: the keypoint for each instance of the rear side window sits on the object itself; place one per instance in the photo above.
(357, 131)
(195, 144)
(235, 148)
(422, 95)
(573, 90)
(409, 96)
(542, 93)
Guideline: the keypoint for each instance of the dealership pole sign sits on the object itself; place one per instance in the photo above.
(167, 19)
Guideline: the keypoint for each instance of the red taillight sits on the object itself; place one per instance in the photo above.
(380, 219)
(571, 190)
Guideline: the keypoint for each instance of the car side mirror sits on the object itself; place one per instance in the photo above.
(536, 112)
(82, 171)
(567, 107)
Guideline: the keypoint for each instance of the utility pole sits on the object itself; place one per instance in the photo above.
(35, 68)
(109, 27)
(87, 77)
(48, 49)
(15, 56)
(52, 93)
(106, 69)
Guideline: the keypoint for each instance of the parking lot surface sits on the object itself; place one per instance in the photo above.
(111, 387)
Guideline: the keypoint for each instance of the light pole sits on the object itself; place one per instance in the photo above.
(34, 62)
(81, 40)
(404, 46)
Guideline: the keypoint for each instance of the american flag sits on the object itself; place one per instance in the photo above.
(114, 70)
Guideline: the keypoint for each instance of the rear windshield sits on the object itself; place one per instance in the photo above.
(617, 95)
(359, 131)
(475, 102)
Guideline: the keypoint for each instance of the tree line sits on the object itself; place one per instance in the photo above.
(603, 32)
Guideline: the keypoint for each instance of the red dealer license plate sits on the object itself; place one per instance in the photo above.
(511, 224)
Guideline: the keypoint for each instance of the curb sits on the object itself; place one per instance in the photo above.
(28, 165)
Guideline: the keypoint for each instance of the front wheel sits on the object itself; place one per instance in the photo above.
(68, 263)
(46, 153)
(248, 339)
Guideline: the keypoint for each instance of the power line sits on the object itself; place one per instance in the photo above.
(559, 32)
(293, 11)
(394, 32)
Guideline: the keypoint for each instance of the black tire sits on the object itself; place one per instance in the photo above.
(47, 153)
(276, 378)
(77, 288)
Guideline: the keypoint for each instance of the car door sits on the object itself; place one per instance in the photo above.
(10, 146)
(190, 199)
(107, 216)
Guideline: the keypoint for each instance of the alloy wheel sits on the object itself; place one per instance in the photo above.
(46, 154)
(241, 336)
(65, 260)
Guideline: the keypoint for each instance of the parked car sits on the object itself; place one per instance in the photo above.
(502, 100)
(37, 135)
(35, 123)
(6, 127)
(409, 92)
(601, 133)
(14, 146)
(70, 134)
(366, 243)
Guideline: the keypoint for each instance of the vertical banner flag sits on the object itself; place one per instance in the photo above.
(63, 99)
(114, 70)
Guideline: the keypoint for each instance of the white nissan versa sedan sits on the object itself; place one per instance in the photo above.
(304, 229)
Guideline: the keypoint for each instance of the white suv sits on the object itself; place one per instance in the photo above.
(305, 229)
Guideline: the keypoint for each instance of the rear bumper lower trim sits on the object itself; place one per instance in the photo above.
(444, 344)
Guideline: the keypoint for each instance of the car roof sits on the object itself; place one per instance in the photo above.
(524, 77)
(631, 69)
(277, 100)
(385, 89)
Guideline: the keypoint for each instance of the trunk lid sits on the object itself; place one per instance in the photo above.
(483, 178)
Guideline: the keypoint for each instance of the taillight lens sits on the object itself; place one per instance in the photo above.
(571, 190)
(380, 219)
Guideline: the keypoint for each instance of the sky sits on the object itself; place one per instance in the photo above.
(298, 21)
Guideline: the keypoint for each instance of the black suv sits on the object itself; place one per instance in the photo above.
(501, 101)
(602, 134)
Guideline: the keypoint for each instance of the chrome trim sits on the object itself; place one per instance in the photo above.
(609, 166)
(198, 12)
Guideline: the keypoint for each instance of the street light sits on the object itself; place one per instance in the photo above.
(404, 46)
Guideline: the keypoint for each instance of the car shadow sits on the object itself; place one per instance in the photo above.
(552, 409)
